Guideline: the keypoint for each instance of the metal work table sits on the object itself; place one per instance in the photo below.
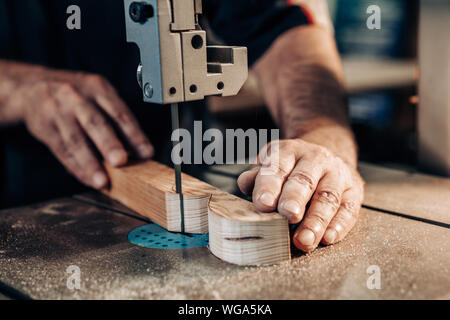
(38, 244)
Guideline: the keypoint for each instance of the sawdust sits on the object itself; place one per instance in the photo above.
(413, 258)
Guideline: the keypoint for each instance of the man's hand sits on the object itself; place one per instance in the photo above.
(79, 117)
(313, 178)
(306, 183)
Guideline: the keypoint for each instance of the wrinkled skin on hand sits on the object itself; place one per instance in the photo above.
(80, 118)
(306, 183)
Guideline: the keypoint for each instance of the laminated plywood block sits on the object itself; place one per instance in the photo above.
(238, 233)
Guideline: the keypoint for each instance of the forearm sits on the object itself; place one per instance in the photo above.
(302, 80)
(314, 180)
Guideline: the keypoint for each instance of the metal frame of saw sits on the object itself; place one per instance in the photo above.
(176, 65)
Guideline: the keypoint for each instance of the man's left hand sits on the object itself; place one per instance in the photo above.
(306, 183)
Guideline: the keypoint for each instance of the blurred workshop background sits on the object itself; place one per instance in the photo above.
(380, 70)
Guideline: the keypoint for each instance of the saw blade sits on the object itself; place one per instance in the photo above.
(178, 180)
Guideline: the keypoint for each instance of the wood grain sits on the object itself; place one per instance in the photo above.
(238, 232)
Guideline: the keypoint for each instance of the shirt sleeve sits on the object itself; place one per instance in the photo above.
(255, 24)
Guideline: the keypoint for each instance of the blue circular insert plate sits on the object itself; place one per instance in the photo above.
(156, 237)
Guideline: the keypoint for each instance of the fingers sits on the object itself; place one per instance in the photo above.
(324, 206)
(346, 217)
(246, 181)
(54, 124)
(68, 118)
(74, 151)
(298, 174)
(52, 138)
(101, 133)
(299, 189)
(275, 169)
(107, 98)
(66, 157)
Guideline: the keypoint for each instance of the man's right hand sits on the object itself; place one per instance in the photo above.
(79, 117)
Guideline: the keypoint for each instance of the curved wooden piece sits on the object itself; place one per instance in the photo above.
(238, 233)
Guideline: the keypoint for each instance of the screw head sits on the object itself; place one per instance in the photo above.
(140, 12)
(148, 90)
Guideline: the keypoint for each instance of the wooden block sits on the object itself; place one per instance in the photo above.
(148, 188)
(238, 233)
